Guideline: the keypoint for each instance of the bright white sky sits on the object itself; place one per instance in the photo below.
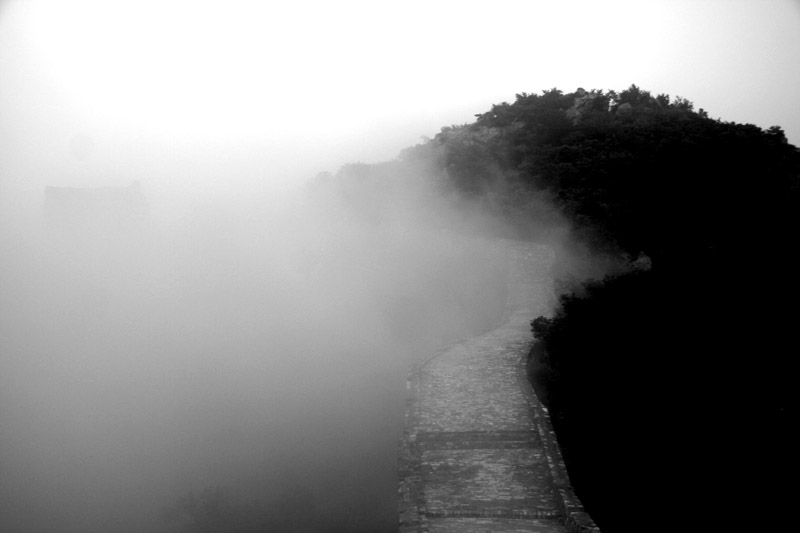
(109, 91)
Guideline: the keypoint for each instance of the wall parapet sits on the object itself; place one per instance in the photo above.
(478, 448)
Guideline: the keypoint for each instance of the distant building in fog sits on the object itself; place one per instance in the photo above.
(95, 211)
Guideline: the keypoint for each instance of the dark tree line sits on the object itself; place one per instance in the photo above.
(669, 380)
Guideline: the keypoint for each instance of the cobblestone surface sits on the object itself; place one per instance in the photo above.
(478, 454)
(493, 525)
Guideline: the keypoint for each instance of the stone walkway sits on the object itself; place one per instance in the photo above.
(478, 453)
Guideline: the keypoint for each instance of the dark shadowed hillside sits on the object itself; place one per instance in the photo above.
(666, 365)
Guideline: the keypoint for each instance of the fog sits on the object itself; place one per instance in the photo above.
(229, 352)
(178, 361)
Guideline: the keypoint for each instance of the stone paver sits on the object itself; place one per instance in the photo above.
(478, 453)
(493, 525)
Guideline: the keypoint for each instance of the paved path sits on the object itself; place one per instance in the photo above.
(478, 453)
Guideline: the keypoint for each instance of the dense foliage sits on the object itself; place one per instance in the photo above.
(669, 379)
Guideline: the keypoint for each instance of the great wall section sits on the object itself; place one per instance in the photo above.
(478, 453)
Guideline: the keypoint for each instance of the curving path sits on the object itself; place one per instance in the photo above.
(478, 453)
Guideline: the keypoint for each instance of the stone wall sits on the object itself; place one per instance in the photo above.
(478, 451)
(76, 211)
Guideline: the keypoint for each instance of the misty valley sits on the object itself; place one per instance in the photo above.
(235, 371)
(236, 360)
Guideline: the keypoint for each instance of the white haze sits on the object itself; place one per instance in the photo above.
(257, 348)
(249, 346)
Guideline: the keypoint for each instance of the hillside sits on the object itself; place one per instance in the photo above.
(666, 362)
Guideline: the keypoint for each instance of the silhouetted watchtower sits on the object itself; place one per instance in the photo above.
(96, 211)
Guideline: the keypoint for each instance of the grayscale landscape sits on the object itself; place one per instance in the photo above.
(229, 230)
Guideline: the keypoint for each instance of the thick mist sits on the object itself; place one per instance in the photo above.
(236, 362)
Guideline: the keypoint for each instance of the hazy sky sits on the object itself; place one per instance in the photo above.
(97, 91)
(243, 339)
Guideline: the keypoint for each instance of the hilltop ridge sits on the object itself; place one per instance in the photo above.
(676, 236)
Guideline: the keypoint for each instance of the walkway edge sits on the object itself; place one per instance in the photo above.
(565, 509)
